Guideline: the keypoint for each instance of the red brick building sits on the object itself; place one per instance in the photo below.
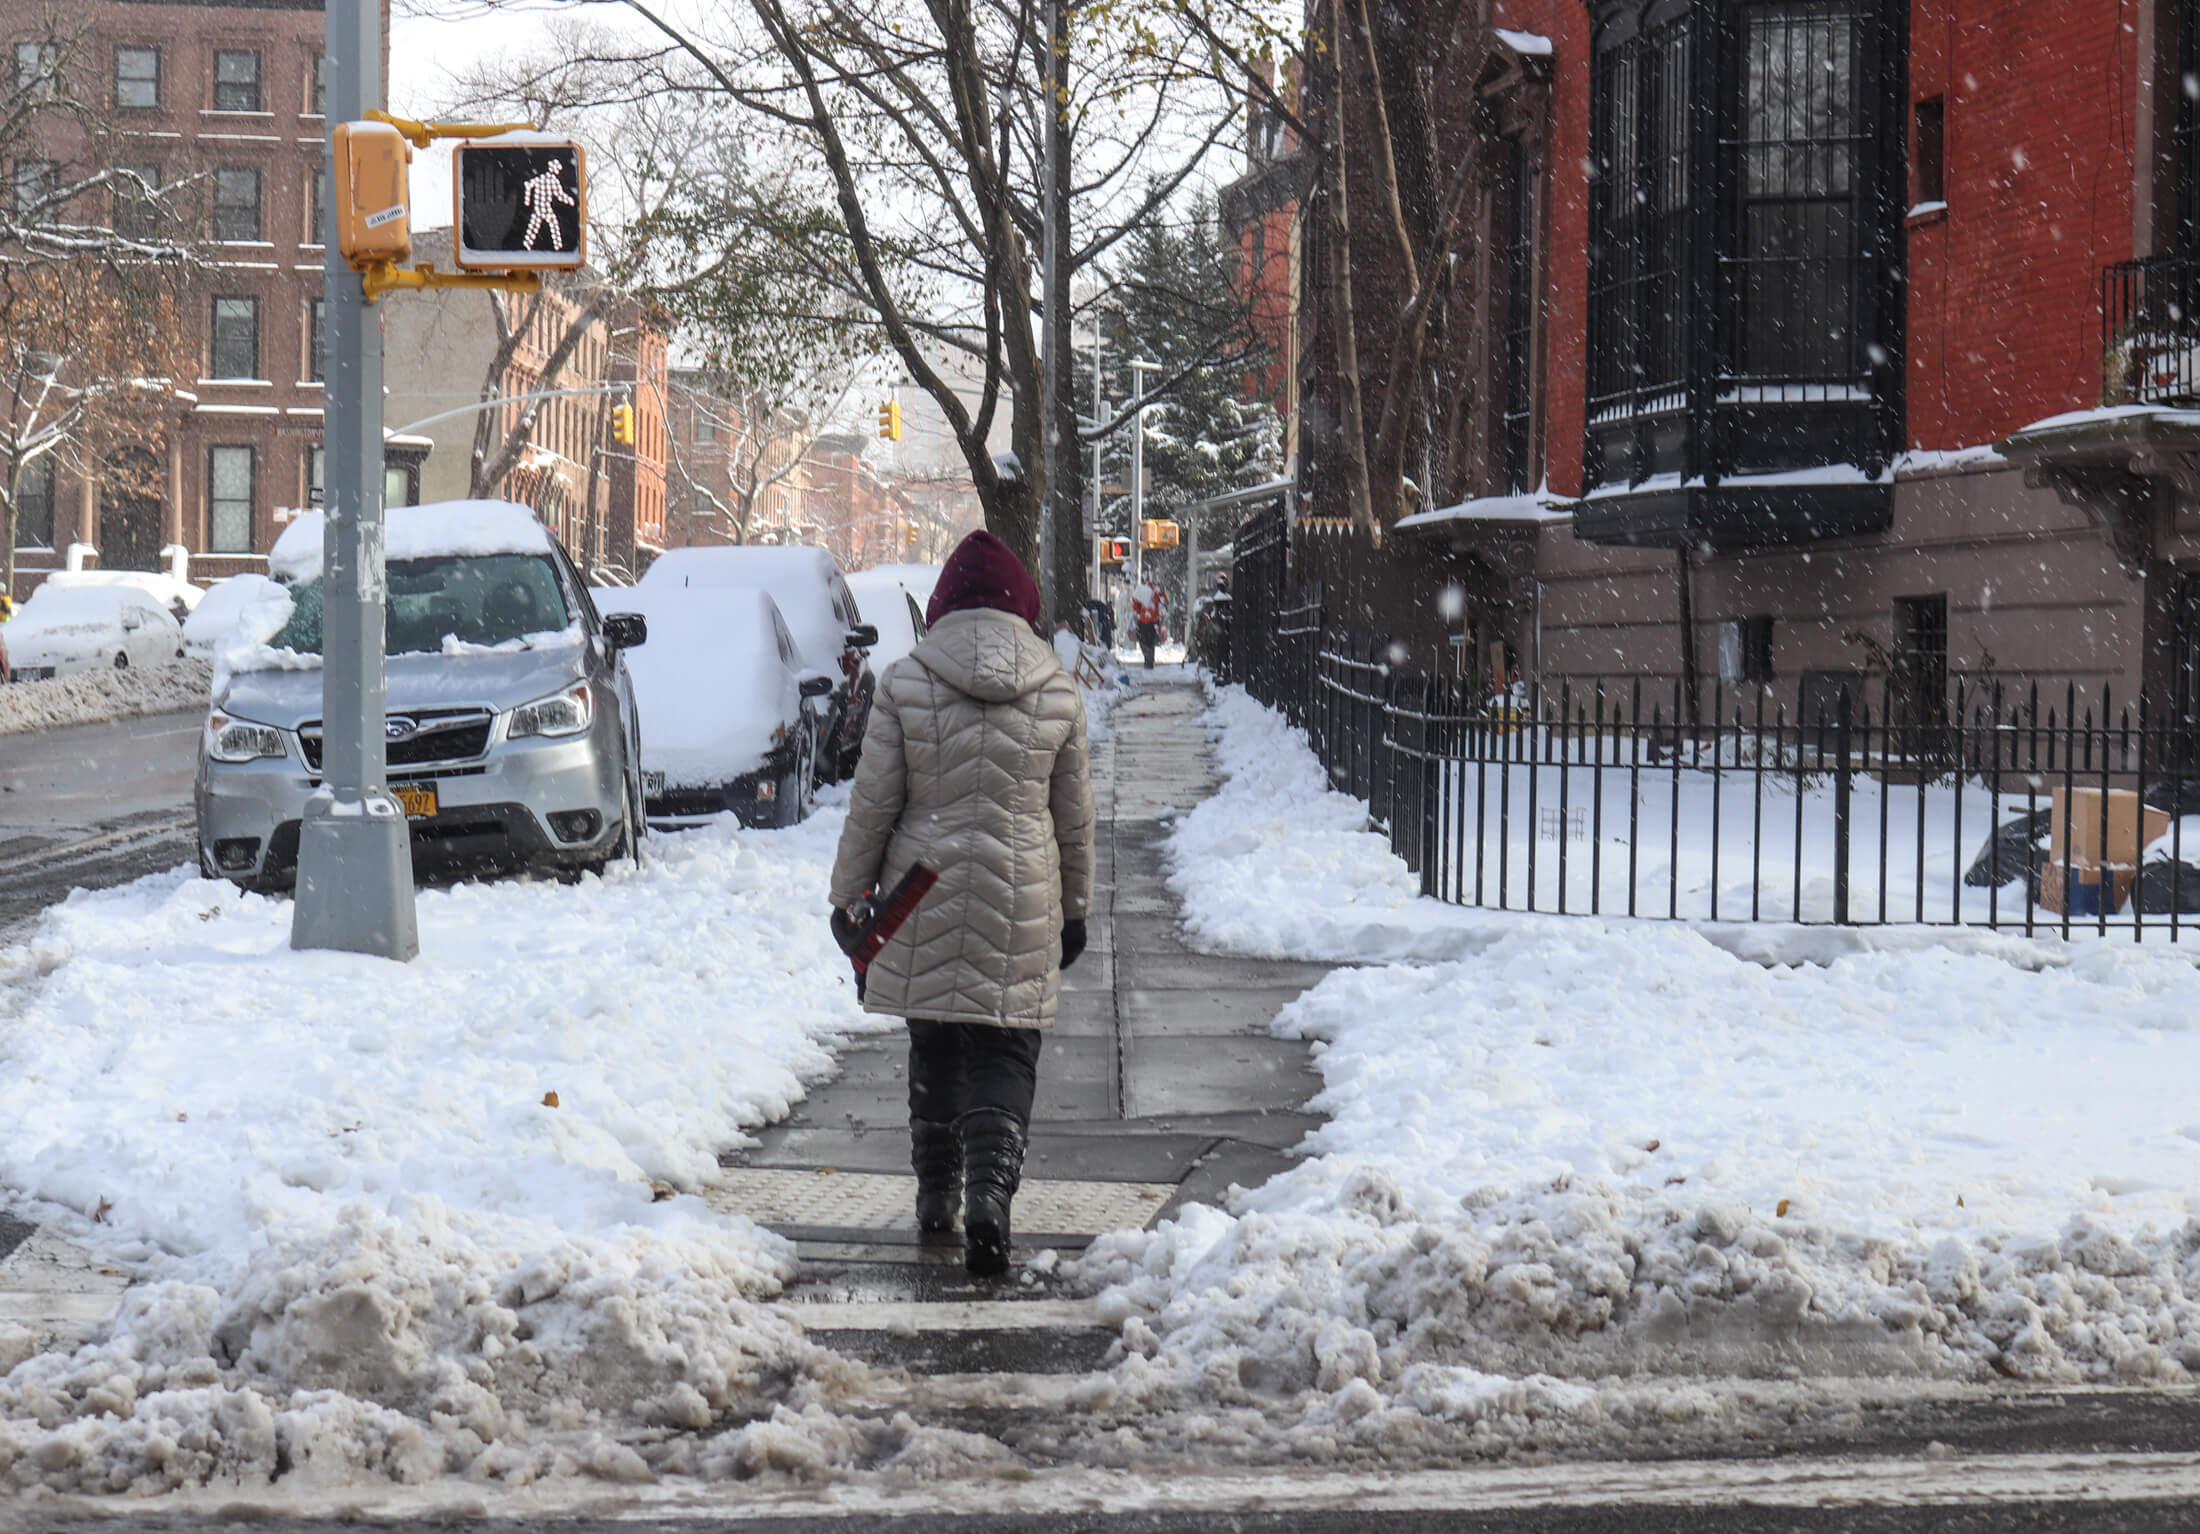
(231, 94)
(1769, 297)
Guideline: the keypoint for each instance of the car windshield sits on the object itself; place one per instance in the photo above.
(475, 599)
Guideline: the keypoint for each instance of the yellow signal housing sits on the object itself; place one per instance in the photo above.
(373, 195)
(912, 535)
(1154, 533)
(889, 420)
(622, 425)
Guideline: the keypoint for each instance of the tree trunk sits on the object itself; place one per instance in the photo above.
(1351, 424)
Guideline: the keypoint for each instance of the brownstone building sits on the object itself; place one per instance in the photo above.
(224, 100)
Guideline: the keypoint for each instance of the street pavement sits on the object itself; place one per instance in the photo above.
(92, 805)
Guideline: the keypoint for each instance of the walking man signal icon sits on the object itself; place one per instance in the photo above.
(543, 194)
(520, 205)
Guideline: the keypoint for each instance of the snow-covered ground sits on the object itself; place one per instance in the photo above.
(1579, 1157)
(91, 696)
(425, 1219)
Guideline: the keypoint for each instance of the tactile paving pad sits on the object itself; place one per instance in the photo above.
(874, 1201)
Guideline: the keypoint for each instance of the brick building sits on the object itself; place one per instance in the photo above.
(229, 94)
(1769, 302)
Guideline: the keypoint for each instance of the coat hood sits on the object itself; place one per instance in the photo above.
(988, 655)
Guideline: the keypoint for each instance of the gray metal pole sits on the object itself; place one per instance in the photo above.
(355, 884)
(1138, 469)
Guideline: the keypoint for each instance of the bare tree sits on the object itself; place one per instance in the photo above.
(1390, 163)
(771, 433)
(92, 263)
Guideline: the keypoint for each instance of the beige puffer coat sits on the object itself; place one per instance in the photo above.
(975, 765)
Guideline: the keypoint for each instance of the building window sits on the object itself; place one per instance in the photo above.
(236, 338)
(38, 70)
(236, 80)
(229, 475)
(1918, 665)
(137, 77)
(237, 204)
(1932, 143)
(1516, 194)
(317, 340)
(316, 477)
(317, 86)
(401, 484)
(34, 506)
(316, 204)
(137, 202)
(1745, 650)
(34, 183)
(1744, 248)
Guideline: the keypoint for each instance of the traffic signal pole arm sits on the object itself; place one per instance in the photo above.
(422, 134)
(384, 276)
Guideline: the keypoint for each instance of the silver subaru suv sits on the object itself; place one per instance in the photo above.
(512, 736)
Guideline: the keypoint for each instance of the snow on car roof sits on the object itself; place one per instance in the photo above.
(440, 529)
(798, 578)
(709, 683)
(84, 604)
(158, 584)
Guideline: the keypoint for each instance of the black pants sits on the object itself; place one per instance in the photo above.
(1149, 635)
(955, 1067)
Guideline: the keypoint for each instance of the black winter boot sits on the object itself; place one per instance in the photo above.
(993, 1166)
(936, 1154)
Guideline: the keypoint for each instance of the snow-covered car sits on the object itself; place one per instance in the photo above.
(179, 596)
(64, 629)
(218, 612)
(721, 690)
(822, 613)
(919, 579)
(893, 609)
(511, 732)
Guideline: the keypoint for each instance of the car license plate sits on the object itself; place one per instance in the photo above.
(418, 799)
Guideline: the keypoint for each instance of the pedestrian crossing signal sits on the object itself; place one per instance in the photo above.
(1115, 551)
(889, 420)
(622, 425)
(1156, 534)
(520, 206)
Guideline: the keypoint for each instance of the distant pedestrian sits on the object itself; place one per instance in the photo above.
(1149, 611)
(974, 766)
(1103, 622)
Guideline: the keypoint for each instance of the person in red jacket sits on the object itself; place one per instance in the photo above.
(1149, 612)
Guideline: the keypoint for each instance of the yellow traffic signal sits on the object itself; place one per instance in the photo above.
(1115, 551)
(912, 535)
(889, 420)
(622, 425)
(373, 195)
(1156, 534)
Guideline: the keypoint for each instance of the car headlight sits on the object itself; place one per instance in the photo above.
(562, 713)
(240, 740)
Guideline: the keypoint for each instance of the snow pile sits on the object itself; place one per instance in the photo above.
(1099, 682)
(87, 697)
(1602, 1149)
(408, 1220)
(440, 529)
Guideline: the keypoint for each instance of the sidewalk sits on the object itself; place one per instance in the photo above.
(1158, 1085)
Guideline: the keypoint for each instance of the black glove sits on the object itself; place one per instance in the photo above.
(1073, 941)
(845, 931)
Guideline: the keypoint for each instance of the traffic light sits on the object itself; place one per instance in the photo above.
(1156, 534)
(520, 206)
(373, 195)
(1115, 551)
(912, 535)
(622, 425)
(889, 420)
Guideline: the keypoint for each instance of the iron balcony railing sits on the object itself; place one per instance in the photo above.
(2150, 331)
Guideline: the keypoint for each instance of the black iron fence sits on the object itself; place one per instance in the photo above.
(1984, 809)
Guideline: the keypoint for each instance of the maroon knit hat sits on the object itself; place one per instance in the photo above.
(984, 572)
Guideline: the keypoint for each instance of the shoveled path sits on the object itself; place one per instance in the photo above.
(1159, 1084)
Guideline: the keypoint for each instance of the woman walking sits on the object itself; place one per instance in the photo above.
(974, 765)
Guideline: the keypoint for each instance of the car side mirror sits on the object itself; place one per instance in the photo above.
(863, 635)
(817, 687)
(131, 623)
(626, 631)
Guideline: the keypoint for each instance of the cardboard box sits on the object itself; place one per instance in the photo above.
(2092, 834)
